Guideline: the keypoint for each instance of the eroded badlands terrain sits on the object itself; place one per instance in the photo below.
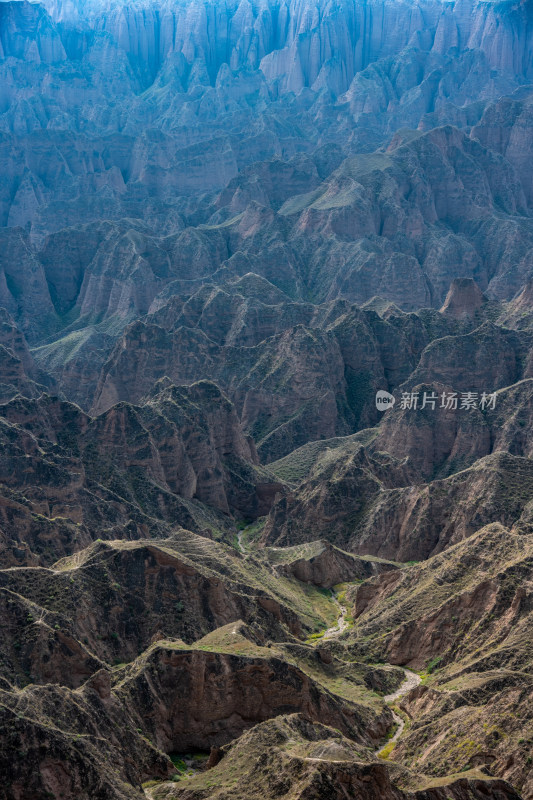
(224, 573)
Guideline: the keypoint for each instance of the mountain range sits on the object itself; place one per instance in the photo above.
(225, 571)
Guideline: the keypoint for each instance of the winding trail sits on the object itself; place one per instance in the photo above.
(341, 623)
(411, 678)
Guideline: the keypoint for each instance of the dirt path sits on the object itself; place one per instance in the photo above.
(341, 623)
(239, 542)
(411, 680)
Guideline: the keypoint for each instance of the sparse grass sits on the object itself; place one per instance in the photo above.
(297, 466)
(385, 752)
(433, 664)
(471, 774)
(252, 532)
(314, 637)
(179, 763)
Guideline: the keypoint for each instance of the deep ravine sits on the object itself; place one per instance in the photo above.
(411, 678)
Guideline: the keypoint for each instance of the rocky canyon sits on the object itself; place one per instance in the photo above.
(266, 400)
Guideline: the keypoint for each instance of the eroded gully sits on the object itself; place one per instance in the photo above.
(411, 678)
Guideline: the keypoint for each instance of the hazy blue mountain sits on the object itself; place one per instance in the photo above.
(224, 226)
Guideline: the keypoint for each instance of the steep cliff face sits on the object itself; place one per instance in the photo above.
(69, 479)
(317, 762)
(427, 477)
(301, 42)
(196, 79)
(207, 699)
(27, 32)
(295, 371)
(505, 127)
(482, 588)
(109, 602)
(130, 114)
